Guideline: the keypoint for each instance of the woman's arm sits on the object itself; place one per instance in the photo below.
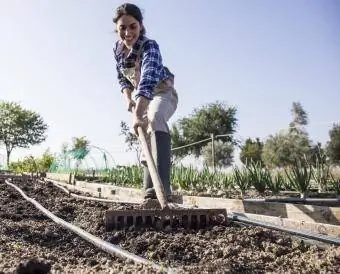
(124, 83)
(151, 69)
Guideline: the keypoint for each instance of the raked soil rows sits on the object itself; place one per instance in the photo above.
(26, 234)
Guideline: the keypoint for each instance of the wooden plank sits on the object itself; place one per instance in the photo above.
(307, 213)
(320, 228)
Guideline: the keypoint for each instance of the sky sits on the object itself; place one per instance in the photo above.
(258, 56)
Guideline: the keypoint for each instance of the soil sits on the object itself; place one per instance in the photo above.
(28, 239)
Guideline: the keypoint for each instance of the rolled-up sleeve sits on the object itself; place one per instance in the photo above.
(123, 81)
(151, 69)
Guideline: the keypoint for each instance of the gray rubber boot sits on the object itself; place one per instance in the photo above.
(161, 153)
(149, 191)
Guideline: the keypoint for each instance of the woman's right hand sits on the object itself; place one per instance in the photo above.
(129, 102)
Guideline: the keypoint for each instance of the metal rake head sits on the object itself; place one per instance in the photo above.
(160, 218)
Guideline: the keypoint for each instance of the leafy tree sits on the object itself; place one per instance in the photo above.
(30, 165)
(33, 165)
(285, 148)
(300, 117)
(214, 118)
(64, 148)
(177, 141)
(80, 149)
(45, 162)
(251, 151)
(333, 145)
(19, 127)
(131, 140)
(223, 154)
(317, 155)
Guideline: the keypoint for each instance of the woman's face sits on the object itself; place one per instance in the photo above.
(128, 29)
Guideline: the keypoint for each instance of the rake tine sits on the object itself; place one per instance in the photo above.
(192, 218)
(189, 220)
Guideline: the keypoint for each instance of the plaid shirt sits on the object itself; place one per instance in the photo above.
(152, 69)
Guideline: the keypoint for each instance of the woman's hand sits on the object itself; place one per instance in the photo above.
(130, 104)
(138, 115)
(138, 122)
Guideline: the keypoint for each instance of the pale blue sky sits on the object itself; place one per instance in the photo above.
(260, 56)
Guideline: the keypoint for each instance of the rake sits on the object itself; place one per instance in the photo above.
(164, 213)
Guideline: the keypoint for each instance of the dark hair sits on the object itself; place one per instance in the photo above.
(129, 9)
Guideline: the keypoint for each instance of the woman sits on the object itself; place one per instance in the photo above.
(140, 70)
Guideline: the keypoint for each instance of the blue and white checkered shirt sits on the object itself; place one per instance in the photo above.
(152, 70)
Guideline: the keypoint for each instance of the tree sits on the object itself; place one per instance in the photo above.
(44, 163)
(19, 127)
(131, 140)
(317, 155)
(33, 165)
(80, 149)
(333, 145)
(285, 148)
(223, 156)
(300, 117)
(251, 151)
(177, 141)
(214, 118)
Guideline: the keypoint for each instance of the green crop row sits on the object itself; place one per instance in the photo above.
(300, 177)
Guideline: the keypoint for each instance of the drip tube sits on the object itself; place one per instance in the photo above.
(310, 235)
(108, 247)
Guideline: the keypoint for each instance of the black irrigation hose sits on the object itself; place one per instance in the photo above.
(108, 247)
(297, 232)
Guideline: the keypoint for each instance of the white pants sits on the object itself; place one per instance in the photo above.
(160, 110)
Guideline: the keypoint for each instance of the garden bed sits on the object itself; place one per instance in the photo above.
(231, 249)
(318, 219)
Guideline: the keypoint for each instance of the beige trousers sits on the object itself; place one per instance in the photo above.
(160, 110)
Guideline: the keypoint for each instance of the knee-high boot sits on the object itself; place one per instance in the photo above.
(161, 152)
(149, 191)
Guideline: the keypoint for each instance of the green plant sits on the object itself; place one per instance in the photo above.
(258, 176)
(241, 179)
(299, 176)
(321, 174)
(335, 182)
(126, 176)
(208, 179)
(224, 181)
(275, 183)
(184, 178)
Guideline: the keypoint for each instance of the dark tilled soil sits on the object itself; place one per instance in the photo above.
(32, 243)
(232, 249)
